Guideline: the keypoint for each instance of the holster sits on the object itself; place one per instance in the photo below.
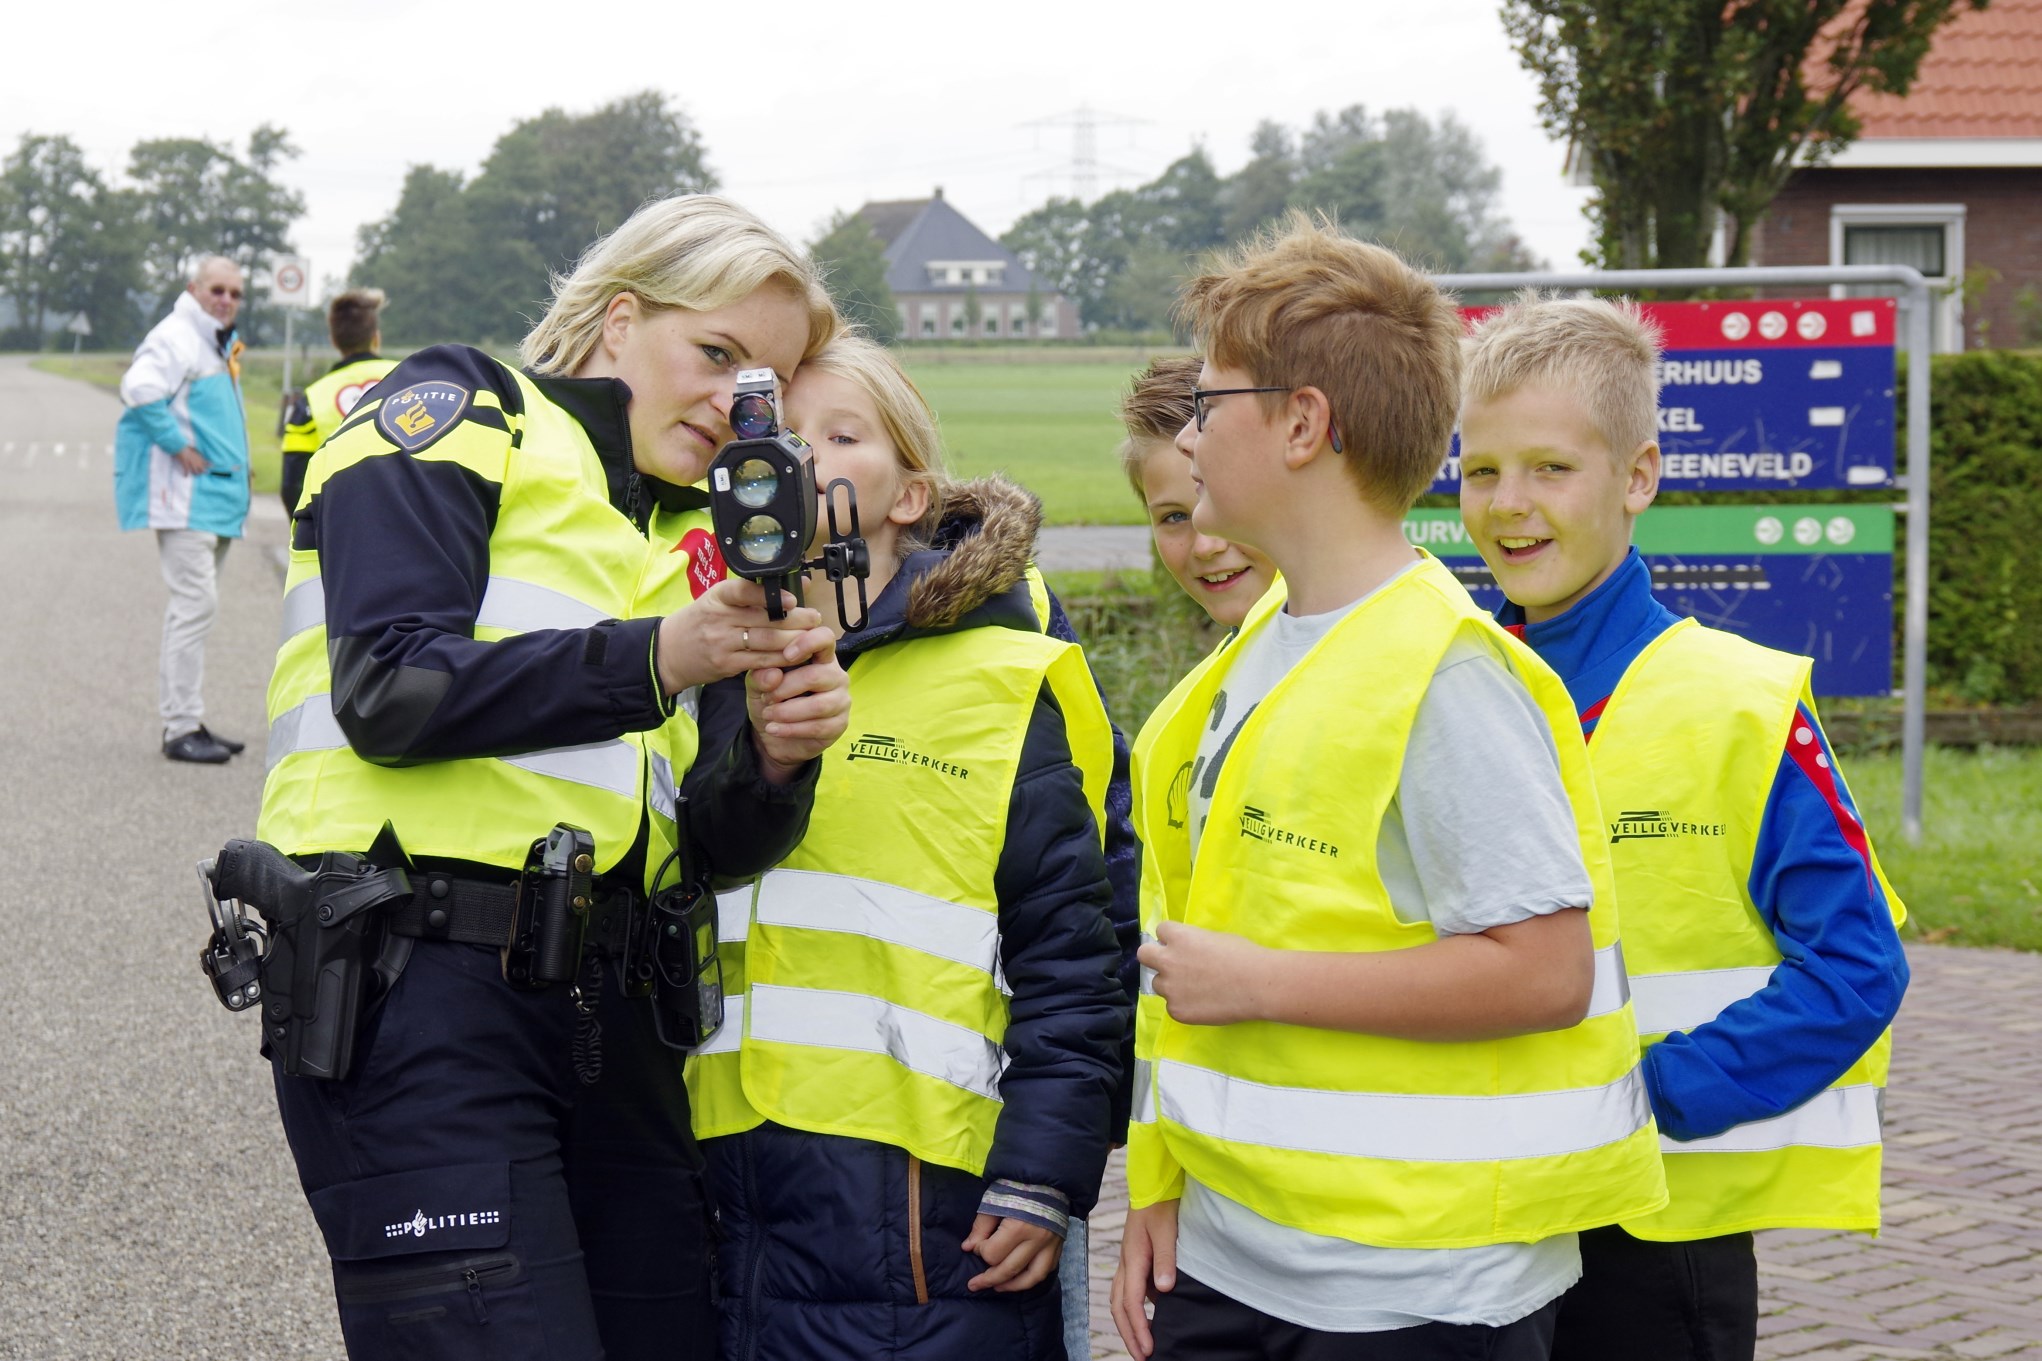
(325, 934)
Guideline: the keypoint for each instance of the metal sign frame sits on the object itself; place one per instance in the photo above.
(1916, 300)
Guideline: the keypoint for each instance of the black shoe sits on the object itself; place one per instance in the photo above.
(233, 748)
(199, 746)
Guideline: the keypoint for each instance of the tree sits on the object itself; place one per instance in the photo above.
(1424, 188)
(64, 247)
(1691, 113)
(472, 259)
(446, 279)
(853, 260)
(1258, 193)
(198, 198)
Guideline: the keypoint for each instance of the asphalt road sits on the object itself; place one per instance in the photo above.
(148, 1207)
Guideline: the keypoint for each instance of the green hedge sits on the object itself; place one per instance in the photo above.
(1985, 526)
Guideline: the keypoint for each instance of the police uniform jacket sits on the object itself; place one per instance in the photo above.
(404, 547)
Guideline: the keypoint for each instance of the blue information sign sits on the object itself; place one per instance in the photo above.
(1768, 395)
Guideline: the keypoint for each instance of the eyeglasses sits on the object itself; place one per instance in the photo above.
(222, 291)
(1200, 396)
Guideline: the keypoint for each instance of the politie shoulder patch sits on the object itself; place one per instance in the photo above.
(416, 415)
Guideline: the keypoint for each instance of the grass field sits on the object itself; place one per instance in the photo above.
(1050, 425)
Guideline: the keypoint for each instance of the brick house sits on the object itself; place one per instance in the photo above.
(1948, 179)
(942, 269)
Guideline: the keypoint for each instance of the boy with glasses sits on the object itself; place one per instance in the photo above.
(1386, 1067)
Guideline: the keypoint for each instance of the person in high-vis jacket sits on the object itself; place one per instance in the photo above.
(1386, 1066)
(354, 324)
(911, 1095)
(181, 469)
(497, 620)
(1759, 930)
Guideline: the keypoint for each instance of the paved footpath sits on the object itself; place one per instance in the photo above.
(147, 1204)
(1958, 1271)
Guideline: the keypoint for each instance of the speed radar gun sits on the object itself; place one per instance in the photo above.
(762, 498)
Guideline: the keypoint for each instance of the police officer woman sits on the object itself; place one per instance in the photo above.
(503, 614)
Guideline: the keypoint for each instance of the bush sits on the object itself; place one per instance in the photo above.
(1985, 498)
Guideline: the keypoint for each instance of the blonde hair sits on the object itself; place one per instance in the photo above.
(1301, 305)
(1601, 352)
(904, 414)
(1155, 407)
(698, 252)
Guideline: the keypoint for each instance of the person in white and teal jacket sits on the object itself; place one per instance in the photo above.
(181, 469)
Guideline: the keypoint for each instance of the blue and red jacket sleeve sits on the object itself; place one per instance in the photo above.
(1841, 974)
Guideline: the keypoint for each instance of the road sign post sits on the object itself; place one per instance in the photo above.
(80, 327)
(1912, 324)
(290, 288)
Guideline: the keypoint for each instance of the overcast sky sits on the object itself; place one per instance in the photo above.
(805, 107)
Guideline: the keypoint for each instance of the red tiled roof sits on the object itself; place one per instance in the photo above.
(1981, 78)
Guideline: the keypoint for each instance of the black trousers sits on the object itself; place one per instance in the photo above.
(1693, 1301)
(479, 1200)
(1194, 1322)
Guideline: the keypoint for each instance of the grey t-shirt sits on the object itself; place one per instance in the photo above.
(1451, 852)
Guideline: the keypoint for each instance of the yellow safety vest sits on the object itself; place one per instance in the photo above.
(1392, 1142)
(862, 977)
(328, 400)
(1685, 756)
(560, 556)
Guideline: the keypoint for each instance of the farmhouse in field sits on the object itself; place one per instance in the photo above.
(1947, 179)
(952, 281)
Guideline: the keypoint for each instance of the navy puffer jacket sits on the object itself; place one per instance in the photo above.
(833, 1247)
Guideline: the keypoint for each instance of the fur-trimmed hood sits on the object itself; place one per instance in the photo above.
(973, 576)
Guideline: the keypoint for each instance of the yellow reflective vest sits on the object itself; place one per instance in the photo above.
(560, 556)
(862, 977)
(1685, 756)
(328, 400)
(1391, 1142)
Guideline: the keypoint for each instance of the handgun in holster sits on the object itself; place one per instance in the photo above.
(312, 968)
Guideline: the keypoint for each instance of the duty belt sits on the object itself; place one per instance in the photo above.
(446, 906)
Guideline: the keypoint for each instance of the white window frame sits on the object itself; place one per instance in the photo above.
(1947, 326)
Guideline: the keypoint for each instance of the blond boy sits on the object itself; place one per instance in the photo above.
(1759, 932)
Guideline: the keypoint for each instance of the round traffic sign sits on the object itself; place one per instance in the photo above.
(290, 279)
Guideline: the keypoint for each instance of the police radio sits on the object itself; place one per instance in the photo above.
(762, 499)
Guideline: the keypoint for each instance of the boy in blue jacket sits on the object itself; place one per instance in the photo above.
(1759, 931)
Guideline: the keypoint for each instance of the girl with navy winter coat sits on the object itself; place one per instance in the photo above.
(912, 1092)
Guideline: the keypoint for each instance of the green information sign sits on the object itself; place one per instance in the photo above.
(1812, 579)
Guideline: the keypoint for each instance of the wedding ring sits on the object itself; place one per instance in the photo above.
(747, 636)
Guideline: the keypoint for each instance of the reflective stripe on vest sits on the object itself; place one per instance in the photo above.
(516, 606)
(1400, 1127)
(1695, 731)
(816, 901)
(929, 1045)
(1143, 1111)
(1835, 1117)
(609, 765)
(1395, 1142)
(1682, 1001)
